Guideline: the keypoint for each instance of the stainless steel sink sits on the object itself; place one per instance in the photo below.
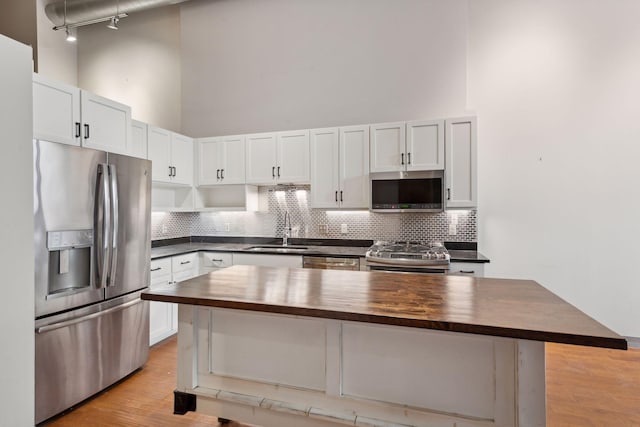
(275, 248)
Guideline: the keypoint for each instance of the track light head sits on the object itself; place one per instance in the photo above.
(113, 24)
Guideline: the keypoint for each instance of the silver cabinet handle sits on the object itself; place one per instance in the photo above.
(70, 322)
(170, 171)
(185, 262)
(467, 271)
(216, 260)
(77, 129)
(341, 196)
(278, 171)
(448, 194)
(336, 196)
(408, 158)
(402, 157)
(217, 173)
(175, 171)
(221, 173)
(273, 171)
(86, 131)
(156, 269)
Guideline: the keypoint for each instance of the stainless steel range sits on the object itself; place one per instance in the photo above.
(414, 257)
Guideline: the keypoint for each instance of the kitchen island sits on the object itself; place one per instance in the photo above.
(304, 347)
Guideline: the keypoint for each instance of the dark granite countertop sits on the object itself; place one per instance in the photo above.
(460, 252)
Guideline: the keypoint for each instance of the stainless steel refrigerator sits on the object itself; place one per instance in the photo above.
(92, 256)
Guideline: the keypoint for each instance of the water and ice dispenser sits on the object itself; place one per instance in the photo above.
(70, 254)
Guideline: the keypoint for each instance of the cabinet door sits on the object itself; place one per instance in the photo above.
(56, 111)
(425, 145)
(233, 158)
(261, 159)
(325, 157)
(138, 146)
(106, 124)
(461, 160)
(159, 152)
(182, 159)
(293, 157)
(354, 167)
(162, 322)
(209, 160)
(387, 147)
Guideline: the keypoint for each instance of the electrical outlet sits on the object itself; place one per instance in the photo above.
(227, 226)
(323, 229)
(344, 229)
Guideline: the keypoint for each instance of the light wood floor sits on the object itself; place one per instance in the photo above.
(585, 387)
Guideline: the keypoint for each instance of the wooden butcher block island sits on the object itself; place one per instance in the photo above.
(305, 347)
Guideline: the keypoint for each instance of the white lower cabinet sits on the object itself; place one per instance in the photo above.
(268, 260)
(163, 317)
(466, 269)
(211, 261)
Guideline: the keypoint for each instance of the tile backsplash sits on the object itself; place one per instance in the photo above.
(458, 225)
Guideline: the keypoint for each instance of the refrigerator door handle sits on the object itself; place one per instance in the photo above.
(54, 326)
(114, 230)
(102, 224)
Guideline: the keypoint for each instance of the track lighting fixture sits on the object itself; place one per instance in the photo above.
(71, 37)
(113, 24)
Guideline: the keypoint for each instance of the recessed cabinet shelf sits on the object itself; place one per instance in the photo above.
(227, 198)
(171, 198)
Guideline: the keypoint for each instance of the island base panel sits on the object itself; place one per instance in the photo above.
(246, 366)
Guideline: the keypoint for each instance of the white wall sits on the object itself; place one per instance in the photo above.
(57, 58)
(16, 253)
(556, 88)
(256, 65)
(138, 65)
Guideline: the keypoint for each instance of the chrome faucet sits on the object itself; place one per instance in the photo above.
(287, 229)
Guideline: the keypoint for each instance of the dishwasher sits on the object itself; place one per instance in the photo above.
(331, 263)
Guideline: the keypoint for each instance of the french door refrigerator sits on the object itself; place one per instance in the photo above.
(92, 256)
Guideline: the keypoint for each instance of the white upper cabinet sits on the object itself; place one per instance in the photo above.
(401, 146)
(138, 139)
(461, 161)
(159, 152)
(340, 167)
(388, 147)
(68, 115)
(354, 167)
(261, 159)
(293, 157)
(221, 160)
(106, 124)
(425, 145)
(171, 155)
(182, 159)
(325, 168)
(56, 111)
(277, 158)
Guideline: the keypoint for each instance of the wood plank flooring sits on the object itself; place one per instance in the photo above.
(585, 387)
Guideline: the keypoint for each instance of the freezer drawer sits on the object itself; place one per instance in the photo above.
(85, 351)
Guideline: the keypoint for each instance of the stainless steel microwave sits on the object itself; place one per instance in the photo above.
(414, 191)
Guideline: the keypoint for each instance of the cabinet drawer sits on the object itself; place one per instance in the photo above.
(216, 259)
(185, 262)
(159, 268)
(466, 269)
